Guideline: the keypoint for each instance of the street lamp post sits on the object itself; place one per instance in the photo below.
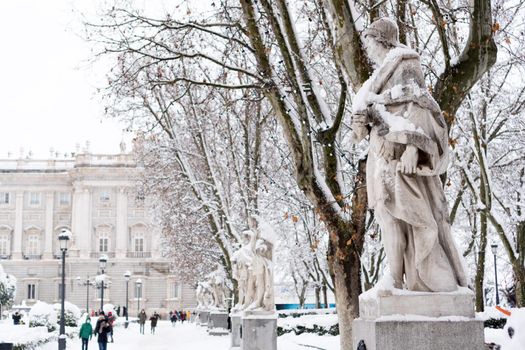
(63, 239)
(138, 283)
(494, 248)
(127, 276)
(86, 283)
(103, 260)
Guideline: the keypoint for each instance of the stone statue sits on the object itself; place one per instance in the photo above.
(199, 295)
(262, 271)
(242, 260)
(407, 153)
(204, 296)
(218, 288)
(253, 269)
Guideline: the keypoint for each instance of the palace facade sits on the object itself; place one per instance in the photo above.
(95, 196)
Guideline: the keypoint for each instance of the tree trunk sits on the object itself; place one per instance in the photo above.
(317, 297)
(518, 266)
(325, 296)
(346, 245)
(480, 267)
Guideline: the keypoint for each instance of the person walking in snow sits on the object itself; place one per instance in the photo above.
(153, 319)
(142, 320)
(102, 328)
(16, 318)
(111, 320)
(86, 333)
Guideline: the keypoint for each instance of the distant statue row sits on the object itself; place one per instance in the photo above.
(253, 270)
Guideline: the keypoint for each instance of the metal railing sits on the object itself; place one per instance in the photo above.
(32, 256)
(98, 254)
(138, 254)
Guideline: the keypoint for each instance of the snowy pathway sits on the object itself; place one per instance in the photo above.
(190, 336)
(182, 336)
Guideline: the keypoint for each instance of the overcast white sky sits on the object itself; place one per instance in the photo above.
(47, 94)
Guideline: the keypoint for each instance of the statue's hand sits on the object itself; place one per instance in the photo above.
(408, 161)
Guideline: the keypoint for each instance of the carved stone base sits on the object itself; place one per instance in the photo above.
(259, 330)
(418, 335)
(203, 318)
(374, 304)
(236, 331)
(395, 319)
(218, 323)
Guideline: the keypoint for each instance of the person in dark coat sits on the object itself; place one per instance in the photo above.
(153, 319)
(102, 329)
(16, 317)
(142, 320)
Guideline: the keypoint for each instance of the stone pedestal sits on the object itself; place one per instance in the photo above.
(259, 330)
(395, 319)
(236, 331)
(218, 323)
(203, 317)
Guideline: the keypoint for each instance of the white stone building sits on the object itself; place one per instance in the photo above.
(95, 197)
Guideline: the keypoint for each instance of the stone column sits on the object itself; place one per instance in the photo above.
(18, 234)
(48, 239)
(122, 223)
(81, 219)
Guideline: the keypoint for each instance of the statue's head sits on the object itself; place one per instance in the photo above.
(381, 36)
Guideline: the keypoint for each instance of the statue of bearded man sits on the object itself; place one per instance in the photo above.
(408, 151)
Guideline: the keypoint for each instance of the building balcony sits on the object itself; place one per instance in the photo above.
(32, 256)
(97, 255)
(138, 255)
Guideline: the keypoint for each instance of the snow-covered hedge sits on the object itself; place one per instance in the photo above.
(71, 314)
(7, 288)
(43, 314)
(318, 324)
(25, 338)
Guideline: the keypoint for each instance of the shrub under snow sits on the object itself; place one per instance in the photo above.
(43, 314)
(71, 314)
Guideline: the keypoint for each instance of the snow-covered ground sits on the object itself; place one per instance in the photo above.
(191, 336)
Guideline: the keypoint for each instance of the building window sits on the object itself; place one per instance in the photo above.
(34, 198)
(4, 245)
(139, 244)
(103, 233)
(31, 291)
(175, 290)
(32, 245)
(4, 198)
(138, 290)
(105, 196)
(103, 244)
(64, 198)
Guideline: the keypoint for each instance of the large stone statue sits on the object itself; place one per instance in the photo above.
(218, 288)
(408, 151)
(262, 277)
(253, 269)
(204, 296)
(242, 260)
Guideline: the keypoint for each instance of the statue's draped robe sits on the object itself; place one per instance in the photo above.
(411, 209)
